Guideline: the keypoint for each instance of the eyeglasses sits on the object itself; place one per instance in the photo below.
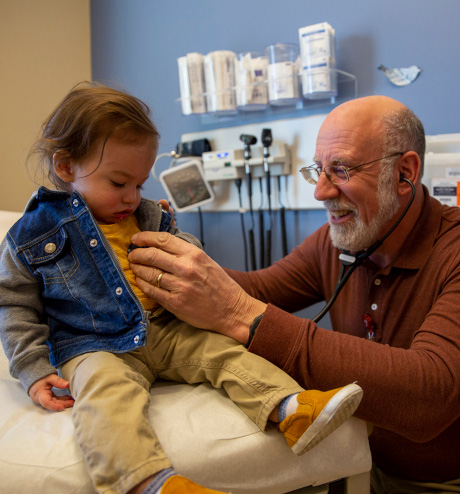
(336, 174)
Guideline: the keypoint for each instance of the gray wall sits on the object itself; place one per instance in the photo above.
(136, 43)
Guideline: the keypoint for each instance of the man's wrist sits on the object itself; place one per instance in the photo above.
(253, 328)
(242, 320)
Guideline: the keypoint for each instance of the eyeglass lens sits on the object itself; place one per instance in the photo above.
(336, 174)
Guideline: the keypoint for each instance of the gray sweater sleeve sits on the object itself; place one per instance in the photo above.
(22, 331)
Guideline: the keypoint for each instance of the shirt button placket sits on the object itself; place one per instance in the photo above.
(377, 282)
(374, 295)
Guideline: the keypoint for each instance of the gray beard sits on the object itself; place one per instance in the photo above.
(357, 235)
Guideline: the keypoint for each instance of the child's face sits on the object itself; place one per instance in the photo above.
(112, 190)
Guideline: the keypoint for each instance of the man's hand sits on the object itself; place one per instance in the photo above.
(41, 392)
(193, 287)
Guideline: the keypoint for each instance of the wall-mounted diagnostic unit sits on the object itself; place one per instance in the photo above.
(186, 185)
(229, 164)
(293, 146)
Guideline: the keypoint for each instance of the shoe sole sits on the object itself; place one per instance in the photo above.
(337, 410)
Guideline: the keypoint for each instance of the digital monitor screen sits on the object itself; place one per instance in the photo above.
(186, 185)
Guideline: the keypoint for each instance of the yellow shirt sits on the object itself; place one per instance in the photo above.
(119, 236)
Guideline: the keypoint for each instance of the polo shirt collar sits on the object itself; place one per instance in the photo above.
(417, 246)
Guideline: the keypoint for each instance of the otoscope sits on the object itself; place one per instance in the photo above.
(350, 261)
(267, 141)
(248, 141)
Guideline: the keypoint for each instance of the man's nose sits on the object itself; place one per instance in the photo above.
(325, 189)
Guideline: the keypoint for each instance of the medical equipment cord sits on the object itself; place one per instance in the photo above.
(238, 182)
(249, 140)
(282, 219)
(351, 261)
(252, 245)
(200, 217)
(172, 154)
(261, 226)
(268, 259)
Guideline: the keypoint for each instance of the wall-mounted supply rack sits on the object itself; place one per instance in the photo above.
(347, 88)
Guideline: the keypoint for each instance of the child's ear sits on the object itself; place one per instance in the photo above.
(63, 166)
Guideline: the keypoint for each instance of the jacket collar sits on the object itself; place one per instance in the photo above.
(45, 194)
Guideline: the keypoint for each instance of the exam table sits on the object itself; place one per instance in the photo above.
(206, 436)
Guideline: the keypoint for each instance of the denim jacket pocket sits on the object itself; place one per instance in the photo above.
(52, 257)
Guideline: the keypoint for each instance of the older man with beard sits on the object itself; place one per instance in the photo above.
(397, 319)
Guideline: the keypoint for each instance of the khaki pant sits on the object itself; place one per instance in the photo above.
(112, 396)
(382, 483)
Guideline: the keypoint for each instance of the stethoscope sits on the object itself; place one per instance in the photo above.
(350, 261)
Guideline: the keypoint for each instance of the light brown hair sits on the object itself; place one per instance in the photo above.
(90, 113)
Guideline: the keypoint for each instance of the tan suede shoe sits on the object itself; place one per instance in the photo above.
(318, 414)
(180, 485)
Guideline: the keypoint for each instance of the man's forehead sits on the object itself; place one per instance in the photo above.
(348, 132)
(337, 144)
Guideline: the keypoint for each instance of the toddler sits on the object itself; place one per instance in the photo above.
(72, 316)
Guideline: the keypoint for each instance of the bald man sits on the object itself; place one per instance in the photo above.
(396, 321)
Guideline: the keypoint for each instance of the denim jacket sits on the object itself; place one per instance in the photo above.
(62, 290)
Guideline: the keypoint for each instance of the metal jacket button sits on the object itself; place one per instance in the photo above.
(75, 202)
(50, 248)
(93, 242)
(136, 339)
(119, 290)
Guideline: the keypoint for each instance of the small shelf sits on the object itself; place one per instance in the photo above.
(347, 89)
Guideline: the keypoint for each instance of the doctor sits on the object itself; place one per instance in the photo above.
(396, 321)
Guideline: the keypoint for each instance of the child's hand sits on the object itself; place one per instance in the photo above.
(167, 207)
(41, 392)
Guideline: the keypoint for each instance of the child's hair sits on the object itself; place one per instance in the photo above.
(90, 112)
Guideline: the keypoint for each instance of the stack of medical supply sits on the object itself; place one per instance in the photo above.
(251, 81)
(317, 53)
(192, 83)
(283, 70)
(219, 74)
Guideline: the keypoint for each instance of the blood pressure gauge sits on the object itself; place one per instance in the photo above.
(186, 186)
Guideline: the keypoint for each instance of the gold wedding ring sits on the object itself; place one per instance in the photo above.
(159, 279)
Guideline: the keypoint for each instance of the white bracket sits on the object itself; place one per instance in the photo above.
(229, 164)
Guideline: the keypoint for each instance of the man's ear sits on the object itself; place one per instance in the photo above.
(63, 166)
(409, 167)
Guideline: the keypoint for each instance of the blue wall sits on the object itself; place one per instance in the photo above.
(136, 43)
